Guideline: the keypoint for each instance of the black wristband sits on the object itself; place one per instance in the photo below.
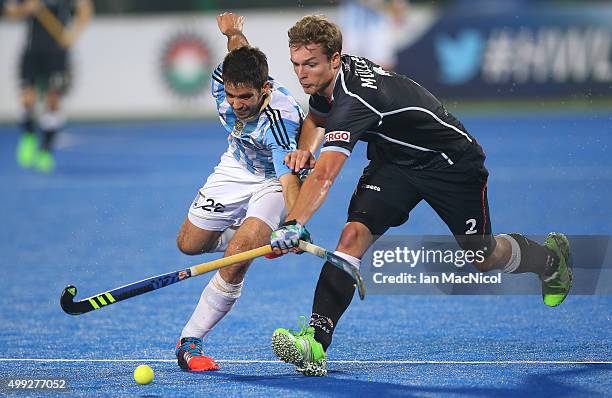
(289, 222)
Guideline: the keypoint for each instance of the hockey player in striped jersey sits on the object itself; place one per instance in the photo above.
(250, 190)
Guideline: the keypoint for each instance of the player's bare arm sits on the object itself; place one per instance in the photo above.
(231, 25)
(315, 189)
(83, 14)
(291, 188)
(311, 136)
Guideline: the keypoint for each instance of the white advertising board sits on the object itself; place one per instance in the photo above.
(143, 67)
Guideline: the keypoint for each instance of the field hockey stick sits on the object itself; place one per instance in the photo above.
(146, 285)
(338, 262)
(51, 24)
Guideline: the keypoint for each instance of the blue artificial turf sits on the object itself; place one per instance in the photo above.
(110, 212)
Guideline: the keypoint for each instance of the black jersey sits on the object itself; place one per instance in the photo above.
(402, 122)
(39, 39)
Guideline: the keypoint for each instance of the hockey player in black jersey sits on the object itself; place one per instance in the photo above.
(53, 27)
(417, 151)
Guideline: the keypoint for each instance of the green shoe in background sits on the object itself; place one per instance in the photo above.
(27, 150)
(45, 162)
(300, 349)
(556, 283)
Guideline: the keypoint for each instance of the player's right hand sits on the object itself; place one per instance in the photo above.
(230, 23)
(300, 159)
(287, 237)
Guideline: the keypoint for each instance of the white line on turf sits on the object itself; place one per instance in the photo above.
(376, 362)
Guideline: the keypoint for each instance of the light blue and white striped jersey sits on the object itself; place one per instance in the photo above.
(261, 144)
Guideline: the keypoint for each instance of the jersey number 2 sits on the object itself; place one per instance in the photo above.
(472, 226)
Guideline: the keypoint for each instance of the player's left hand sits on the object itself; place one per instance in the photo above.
(300, 159)
(287, 237)
(230, 23)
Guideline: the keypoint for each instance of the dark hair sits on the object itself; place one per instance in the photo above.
(316, 29)
(245, 66)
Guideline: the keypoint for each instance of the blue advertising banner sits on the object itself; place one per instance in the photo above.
(527, 53)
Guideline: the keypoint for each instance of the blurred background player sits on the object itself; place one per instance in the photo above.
(417, 151)
(247, 195)
(53, 27)
(370, 28)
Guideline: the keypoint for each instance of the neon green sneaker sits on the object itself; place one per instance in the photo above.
(300, 349)
(27, 150)
(45, 162)
(556, 283)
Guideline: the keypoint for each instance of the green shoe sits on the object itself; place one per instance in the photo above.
(300, 349)
(45, 162)
(27, 150)
(556, 283)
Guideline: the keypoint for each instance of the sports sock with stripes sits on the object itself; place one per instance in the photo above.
(528, 256)
(333, 295)
(47, 141)
(50, 123)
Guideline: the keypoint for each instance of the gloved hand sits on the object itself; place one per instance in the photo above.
(303, 174)
(288, 235)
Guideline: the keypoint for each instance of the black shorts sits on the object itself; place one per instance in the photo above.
(387, 192)
(46, 69)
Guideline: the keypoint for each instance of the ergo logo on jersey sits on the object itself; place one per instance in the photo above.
(338, 136)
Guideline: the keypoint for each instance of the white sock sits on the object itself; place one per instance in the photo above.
(515, 256)
(51, 121)
(354, 261)
(223, 240)
(216, 301)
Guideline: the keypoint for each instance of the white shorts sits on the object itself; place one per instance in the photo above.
(232, 194)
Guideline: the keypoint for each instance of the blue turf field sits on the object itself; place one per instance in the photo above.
(109, 216)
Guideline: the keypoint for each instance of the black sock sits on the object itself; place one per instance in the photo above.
(535, 258)
(333, 295)
(48, 138)
(27, 123)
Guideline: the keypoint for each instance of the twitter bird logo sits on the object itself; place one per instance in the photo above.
(459, 58)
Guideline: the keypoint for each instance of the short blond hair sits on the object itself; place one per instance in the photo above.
(316, 29)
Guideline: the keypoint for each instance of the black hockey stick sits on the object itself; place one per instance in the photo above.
(146, 285)
(338, 262)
